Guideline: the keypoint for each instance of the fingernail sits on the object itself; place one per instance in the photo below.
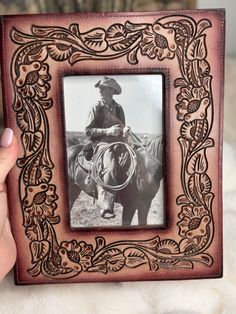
(6, 138)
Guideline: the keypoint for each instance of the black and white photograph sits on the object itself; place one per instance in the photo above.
(114, 138)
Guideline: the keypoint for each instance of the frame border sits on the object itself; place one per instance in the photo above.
(172, 36)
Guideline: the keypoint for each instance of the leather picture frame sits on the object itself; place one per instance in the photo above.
(187, 48)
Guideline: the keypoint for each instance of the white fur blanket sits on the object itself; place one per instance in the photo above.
(211, 296)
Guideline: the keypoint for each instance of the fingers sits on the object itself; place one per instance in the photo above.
(8, 154)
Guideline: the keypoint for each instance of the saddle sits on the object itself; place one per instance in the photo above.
(88, 151)
(85, 164)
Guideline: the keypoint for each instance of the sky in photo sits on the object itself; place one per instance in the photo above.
(141, 99)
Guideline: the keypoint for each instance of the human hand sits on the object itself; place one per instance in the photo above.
(8, 156)
(126, 131)
(114, 130)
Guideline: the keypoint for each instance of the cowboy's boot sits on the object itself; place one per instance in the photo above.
(106, 203)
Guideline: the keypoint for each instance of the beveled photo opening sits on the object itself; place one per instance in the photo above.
(114, 138)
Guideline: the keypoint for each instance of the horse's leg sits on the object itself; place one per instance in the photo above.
(127, 215)
(143, 213)
(74, 192)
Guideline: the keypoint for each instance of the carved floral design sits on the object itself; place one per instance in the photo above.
(77, 256)
(39, 201)
(159, 42)
(33, 80)
(193, 103)
(194, 221)
(175, 37)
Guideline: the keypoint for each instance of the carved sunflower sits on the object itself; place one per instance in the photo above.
(159, 42)
(40, 201)
(194, 220)
(77, 256)
(193, 102)
(33, 80)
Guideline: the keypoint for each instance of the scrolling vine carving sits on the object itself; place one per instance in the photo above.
(175, 37)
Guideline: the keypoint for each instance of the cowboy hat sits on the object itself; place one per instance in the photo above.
(109, 82)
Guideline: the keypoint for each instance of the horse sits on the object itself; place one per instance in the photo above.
(140, 191)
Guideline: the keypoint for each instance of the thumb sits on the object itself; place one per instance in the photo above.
(8, 153)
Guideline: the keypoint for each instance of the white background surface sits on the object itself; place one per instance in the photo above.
(230, 7)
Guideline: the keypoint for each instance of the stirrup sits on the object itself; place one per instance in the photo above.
(109, 212)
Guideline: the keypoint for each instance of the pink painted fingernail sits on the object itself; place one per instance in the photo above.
(6, 138)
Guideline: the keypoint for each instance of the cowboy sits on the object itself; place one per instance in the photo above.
(106, 124)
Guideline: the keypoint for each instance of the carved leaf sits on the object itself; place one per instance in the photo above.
(208, 199)
(31, 142)
(135, 27)
(197, 49)
(202, 25)
(46, 158)
(24, 116)
(45, 31)
(95, 39)
(199, 184)
(134, 257)
(108, 254)
(54, 220)
(116, 31)
(180, 82)
(182, 199)
(79, 56)
(100, 243)
(201, 129)
(184, 264)
(31, 233)
(125, 43)
(204, 67)
(27, 219)
(153, 265)
(74, 28)
(208, 143)
(37, 53)
(20, 38)
(194, 189)
(22, 120)
(59, 52)
(187, 244)
(182, 31)
(132, 56)
(168, 246)
(150, 244)
(36, 117)
(39, 249)
(205, 183)
(184, 147)
(115, 263)
(35, 271)
(46, 104)
(206, 259)
(186, 27)
(207, 83)
(198, 163)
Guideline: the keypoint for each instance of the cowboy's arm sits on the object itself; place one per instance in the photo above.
(93, 131)
(121, 115)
